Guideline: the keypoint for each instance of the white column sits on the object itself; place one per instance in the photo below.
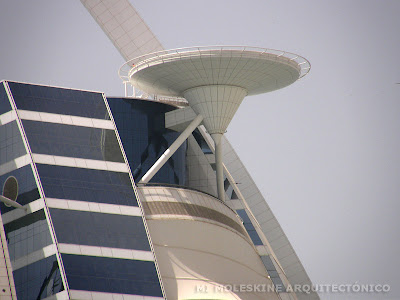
(218, 163)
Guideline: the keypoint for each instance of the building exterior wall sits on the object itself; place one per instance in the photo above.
(141, 126)
(86, 231)
(82, 232)
(202, 246)
(7, 285)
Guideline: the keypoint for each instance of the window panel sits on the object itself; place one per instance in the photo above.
(11, 144)
(141, 126)
(97, 229)
(27, 188)
(5, 105)
(86, 185)
(202, 142)
(59, 100)
(38, 280)
(27, 234)
(111, 275)
(249, 227)
(274, 275)
(73, 141)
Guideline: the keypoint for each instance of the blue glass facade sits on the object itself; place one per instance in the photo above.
(58, 100)
(38, 280)
(5, 105)
(111, 275)
(11, 144)
(97, 229)
(73, 141)
(141, 126)
(86, 185)
(29, 234)
(28, 190)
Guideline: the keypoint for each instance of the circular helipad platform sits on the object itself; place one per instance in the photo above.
(172, 72)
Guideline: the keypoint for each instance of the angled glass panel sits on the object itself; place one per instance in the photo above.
(27, 234)
(86, 185)
(27, 188)
(141, 126)
(274, 275)
(59, 100)
(97, 229)
(38, 280)
(111, 275)
(11, 144)
(202, 142)
(73, 141)
(249, 227)
(5, 105)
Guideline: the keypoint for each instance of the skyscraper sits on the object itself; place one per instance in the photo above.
(87, 231)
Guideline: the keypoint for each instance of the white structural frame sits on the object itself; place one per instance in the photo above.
(172, 149)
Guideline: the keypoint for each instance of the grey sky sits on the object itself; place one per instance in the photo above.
(324, 151)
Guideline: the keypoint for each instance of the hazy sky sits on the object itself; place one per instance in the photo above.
(324, 151)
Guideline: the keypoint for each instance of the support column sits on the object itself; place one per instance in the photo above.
(171, 150)
(218, 163)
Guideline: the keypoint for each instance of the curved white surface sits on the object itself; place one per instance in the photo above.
(256, 70)
(197, 255)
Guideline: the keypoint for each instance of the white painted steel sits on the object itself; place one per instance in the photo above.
(10, 202)
(171, 150)
(219, 167)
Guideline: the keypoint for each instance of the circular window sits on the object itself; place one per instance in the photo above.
(10, 189)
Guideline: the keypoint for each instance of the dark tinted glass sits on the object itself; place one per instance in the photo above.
(27, 188)
(111, 275)
(11, 144)
(73, 141)
(97, 229)
(59, 100)
(5, 105)
(202, 142)
(274, 275)
(86, 185)
(27, 234)
(141, 126)
(249, 227)
(38, 280)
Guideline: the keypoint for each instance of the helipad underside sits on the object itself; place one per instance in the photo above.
(174, 71)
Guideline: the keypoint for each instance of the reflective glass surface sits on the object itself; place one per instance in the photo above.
(229, 189)
(86, 185)
(27, 188)
(202, 142)
(72, 141)
(97, 229)
(112, 275)
(11, 144)
(38, 280)
(5, 105)
(274, 275)
(249, 227)
(59, 100)
(141, 126)
(27, 234)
